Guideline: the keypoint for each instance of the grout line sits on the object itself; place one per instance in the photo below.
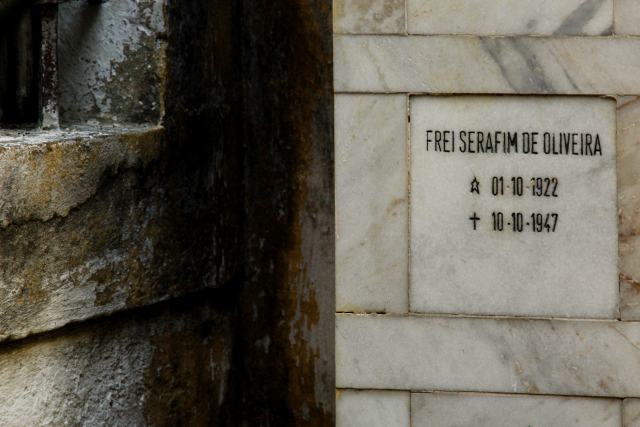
(617, 124)
(494, 94)
(484, 316)
(408, 100)
(485, 393)
(613, 21)
(410, 407)
(406, 19)
(492, 36)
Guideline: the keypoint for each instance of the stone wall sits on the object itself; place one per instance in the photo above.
(405, 357)
(167, 257)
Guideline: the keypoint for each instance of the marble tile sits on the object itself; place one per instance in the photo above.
(371, 200)
(421, 353)
(369, 16)
(481, 246)
(627, 17)
(631, 413)
(510, 17)
(629, 206)
(453, 64)
(372, 408)
(491, 410)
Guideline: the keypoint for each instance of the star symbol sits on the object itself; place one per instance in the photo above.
(475, 186)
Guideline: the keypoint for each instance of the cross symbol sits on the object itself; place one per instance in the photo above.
(474, 218)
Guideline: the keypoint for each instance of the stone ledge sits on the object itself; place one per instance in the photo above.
(94, 223)
(44, 174)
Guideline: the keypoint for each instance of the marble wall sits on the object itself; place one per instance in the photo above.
(567, 354)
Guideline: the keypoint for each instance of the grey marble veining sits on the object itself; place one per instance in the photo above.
(556, 357)
(491, 410)
(369, 16)
(627, 17)
(458, 266)
(454, 64)
(371, 203)
(372, 408)
(629, 206)
(510, 17)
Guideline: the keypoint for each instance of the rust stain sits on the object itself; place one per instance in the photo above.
(531, 387)
(251, 92)
(285, 209)
(635, 285)
(187, 379)
(288, 194)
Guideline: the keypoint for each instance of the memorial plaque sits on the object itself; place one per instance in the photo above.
(513, 206)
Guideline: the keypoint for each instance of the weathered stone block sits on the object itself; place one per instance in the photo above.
(558, 357)
(369, 16)
(490, 410)
(509, 17)
(372, 408)
(629, 206)
(166, 365)
(112, 61)
(453, 64)
(89, 228)
(372, 202)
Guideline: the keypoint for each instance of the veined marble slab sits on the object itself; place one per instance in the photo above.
(631, 413)
(627, 17)
(513, 206)
(371, 203)
(421, 353)
(510, 17)
(454, 64)
(372, 408)
(369, 16)
(491, 410)
(629, 206)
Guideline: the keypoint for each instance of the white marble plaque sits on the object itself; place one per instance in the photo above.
(513, 206)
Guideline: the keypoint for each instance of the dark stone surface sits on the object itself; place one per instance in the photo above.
(161, 365)
(255, 79)
(230, 203)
